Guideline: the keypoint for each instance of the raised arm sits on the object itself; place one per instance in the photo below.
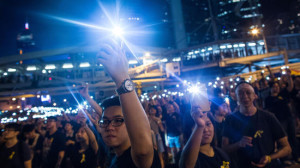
(190, 151)
(115, 62)
(84, 92)
(66, 117)
(92, 139)
(95, 122)
(290, 81)
(176, 106)
(272, 76)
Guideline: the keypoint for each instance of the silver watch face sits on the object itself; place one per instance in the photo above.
(129, 85)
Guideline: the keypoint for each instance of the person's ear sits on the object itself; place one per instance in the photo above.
(256, 97)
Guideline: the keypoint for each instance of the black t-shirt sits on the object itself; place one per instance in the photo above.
(15, 156)
(263, 127)
(278, 105)
(233, 104)
(38, 145)
(52, 145)
(37, 149)
(219, 159)
(218, 130)
(125, 160)
(69, 148)
(296, 100)
(173, 124)
(85, 159)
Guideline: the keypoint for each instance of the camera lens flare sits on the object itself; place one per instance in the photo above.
(118, 31)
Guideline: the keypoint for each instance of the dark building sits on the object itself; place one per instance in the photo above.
(211, 20)
(25, 40)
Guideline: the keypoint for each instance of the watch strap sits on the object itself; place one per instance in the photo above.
(122, 89)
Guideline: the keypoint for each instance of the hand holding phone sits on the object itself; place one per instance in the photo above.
(200, 98)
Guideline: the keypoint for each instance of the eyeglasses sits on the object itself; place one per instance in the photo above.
(114, 122)
(8, 129)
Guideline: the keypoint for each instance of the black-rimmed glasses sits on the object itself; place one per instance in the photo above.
(116, 122)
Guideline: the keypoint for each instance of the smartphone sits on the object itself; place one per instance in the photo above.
(201, 98)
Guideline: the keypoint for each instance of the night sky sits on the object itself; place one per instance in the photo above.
(53, 34)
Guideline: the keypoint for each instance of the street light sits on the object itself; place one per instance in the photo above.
(255, 32)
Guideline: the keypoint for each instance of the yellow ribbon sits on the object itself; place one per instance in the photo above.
(225, 164)
(258, 133)
(11, 155)
(83, 158)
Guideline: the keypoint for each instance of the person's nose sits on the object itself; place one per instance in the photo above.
(109, 127)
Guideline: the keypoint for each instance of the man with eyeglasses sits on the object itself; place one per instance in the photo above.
(124, 124)
(14, 153)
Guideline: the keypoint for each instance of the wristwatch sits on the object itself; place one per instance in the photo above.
(127, 86)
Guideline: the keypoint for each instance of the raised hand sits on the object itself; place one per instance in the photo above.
(114, 61)
(198, 116)
(84, 91)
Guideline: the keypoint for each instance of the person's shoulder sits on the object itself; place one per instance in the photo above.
(266, 114)
(23, 145)
(233, 115)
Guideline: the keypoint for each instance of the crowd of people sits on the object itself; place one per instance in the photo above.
(255, 126)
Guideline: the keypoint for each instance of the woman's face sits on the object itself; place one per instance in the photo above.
(81, 135)
(223, 109)
(68, 127)
(208, 132)
(152, 111)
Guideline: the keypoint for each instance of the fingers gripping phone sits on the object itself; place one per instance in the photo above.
(200, 98)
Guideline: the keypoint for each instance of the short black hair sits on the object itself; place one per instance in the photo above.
(28, 128)
(271, 84)
(52, 118)
(14, 126)
(154, 107)
(216, 103)
(111, 101)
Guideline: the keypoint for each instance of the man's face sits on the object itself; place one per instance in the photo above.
(114, 136)
(29, 135)
(10, 133)
(245, 95)
(275, 88)
(68, 127)
(170, 109)
(51, 124)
